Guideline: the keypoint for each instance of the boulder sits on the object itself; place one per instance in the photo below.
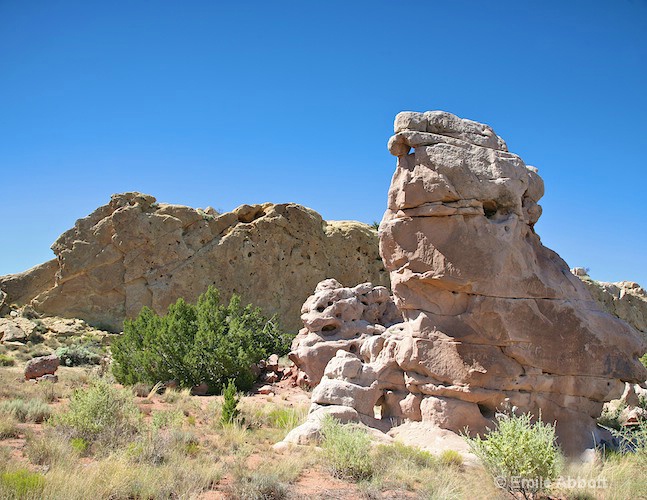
(16, 329)
(43, 365)
(135, 252)
(272, 363)
(491, 315)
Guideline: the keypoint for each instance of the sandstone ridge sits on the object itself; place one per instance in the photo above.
(135, 252)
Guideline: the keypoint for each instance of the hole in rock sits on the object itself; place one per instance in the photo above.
(485, 411)
(329, 328)
(490, 208)
(320, 309)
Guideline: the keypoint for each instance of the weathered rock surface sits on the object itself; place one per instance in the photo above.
(349, 392)
(625, 300)
(41, 366)
(339, 318)
(491, 315)
(22, 287)
(492, 318)
(16, 329)
(135, 252)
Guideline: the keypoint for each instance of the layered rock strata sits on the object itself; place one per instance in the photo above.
(491, 315)
(135, 252)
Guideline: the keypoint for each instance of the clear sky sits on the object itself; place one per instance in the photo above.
(224, 103)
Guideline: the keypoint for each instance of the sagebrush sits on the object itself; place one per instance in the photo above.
(520, 453)
(101, 413)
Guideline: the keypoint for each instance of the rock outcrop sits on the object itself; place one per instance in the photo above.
(492, 318)
(21, 288)
(491, 315)
(135, 252)
(339, 318)
(625, 300)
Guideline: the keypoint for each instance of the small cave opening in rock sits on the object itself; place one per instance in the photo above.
(490, 208)
(486, 411)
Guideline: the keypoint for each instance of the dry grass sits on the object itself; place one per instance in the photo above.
(615, 477)
(181, 450)
(8, 427)
(119, 477)
(31, 410)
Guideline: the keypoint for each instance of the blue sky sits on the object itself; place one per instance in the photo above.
(223, 103)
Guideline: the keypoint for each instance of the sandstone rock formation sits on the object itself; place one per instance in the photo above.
(349, 391)
(135, 252)
(339, 318)
(490, 313)
(625, 300)
(492, 318)
(18, 329)
(21, 288)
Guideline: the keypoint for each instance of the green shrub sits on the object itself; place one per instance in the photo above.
(21, 483)
(520, 454)
(33, 410)
(192, 344)
(77, 354)
(6, 360)
(100, 413)
(230, 409)
(643, 360)
(347, 450)
(79, 445)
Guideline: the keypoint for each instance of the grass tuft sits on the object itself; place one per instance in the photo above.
(33, 410)
(347, 450)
